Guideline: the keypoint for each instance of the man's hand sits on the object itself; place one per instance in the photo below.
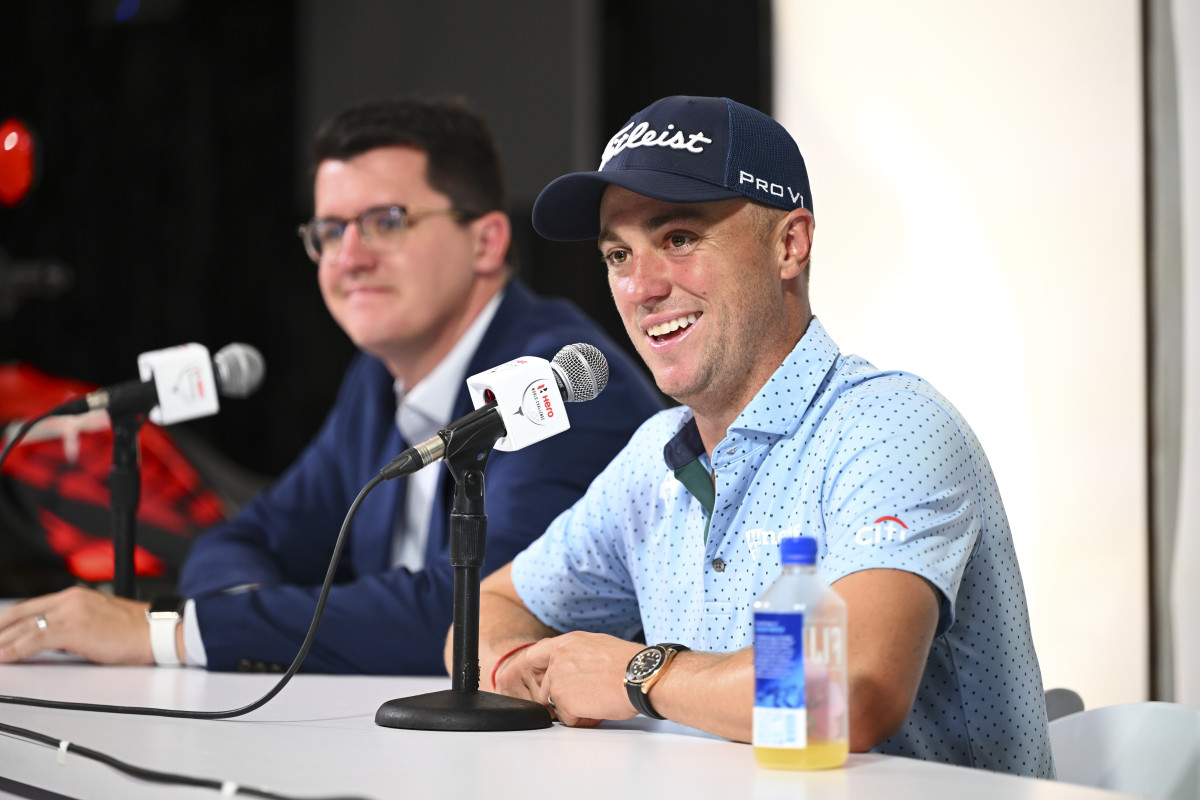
(101, 628)
(582, 673)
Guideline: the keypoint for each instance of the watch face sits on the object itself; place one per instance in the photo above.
(645, 664)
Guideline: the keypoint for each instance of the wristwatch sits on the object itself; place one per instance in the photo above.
(164, 615)
(643, 672)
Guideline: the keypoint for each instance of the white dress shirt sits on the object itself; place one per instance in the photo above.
(420, 413)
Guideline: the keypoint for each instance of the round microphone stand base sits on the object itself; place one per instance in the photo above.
(464, 707)
(462, 711)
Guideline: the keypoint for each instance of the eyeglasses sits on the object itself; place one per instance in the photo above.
(381, 229)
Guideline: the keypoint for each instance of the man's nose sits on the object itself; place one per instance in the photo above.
(353, 253)
(647, 280)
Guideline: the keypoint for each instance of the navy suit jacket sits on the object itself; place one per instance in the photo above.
(381, 619)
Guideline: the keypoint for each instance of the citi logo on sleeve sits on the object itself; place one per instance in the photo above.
(884, 529)
(881, 530)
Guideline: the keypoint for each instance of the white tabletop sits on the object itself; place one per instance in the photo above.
(318, 738)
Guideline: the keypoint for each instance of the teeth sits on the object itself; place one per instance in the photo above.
(664, 328)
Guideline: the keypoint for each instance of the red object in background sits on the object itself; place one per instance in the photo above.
(54, 487)
(91, 557)
(16, 161)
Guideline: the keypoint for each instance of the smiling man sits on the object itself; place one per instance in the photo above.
(703, 215)
(410, 239)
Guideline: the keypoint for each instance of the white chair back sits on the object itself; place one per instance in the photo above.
(1148, 749)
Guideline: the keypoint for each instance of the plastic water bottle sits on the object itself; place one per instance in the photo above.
(801, 712)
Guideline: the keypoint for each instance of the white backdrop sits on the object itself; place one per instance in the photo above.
(976, 174)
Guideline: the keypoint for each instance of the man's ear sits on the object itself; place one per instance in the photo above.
(796, 235)
(493, 236)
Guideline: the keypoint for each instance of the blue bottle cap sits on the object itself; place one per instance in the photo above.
(799, 550)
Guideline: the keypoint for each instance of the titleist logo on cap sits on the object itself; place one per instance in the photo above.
(642, 136)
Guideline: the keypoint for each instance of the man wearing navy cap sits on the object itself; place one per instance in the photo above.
(704, 218)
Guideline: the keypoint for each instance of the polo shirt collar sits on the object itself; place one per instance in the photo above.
(780, 405)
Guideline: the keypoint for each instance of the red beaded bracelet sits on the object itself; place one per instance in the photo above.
(505, 657)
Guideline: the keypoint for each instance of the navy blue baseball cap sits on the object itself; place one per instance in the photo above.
(681, 150)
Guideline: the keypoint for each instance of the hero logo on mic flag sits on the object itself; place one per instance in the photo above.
(527, 397)
(183, 377)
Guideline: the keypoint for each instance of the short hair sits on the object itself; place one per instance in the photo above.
(464, 163)
(763, 219)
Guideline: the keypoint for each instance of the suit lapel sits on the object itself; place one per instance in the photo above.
(494, 348)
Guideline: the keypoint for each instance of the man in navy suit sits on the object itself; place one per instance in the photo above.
(411, 242)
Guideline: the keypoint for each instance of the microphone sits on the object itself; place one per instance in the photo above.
(178, 384)
(514, 405)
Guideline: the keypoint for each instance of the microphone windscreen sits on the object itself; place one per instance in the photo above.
(583, 370)
(240, 370)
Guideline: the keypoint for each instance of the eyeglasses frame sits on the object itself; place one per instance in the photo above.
(408, 215)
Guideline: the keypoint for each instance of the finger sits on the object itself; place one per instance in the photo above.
(537, 656)
(547, 700)
(22, 627)
(562, 714)
(533, 682)
(513, 678)
(8, 638)
(19, 612)
(570, 720)
(24, 639)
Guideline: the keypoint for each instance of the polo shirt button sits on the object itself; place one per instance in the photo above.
(718, 564)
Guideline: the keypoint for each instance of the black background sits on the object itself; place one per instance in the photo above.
(172, 166)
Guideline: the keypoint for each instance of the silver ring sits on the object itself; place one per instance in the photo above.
(40, 621)
(550, 703)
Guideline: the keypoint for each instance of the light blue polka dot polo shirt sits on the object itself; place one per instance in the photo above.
(884, 472)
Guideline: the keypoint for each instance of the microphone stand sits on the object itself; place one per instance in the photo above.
(464, 707)
(125, 492)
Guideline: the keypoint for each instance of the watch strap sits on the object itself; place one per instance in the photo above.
(639, 696)
(164, 616)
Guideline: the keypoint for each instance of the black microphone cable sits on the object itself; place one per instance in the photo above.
(25, 428)
(227, 788)
(283, 680)
(593, 376)
(179, 713)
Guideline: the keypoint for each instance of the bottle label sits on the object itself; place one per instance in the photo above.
(780, 718)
